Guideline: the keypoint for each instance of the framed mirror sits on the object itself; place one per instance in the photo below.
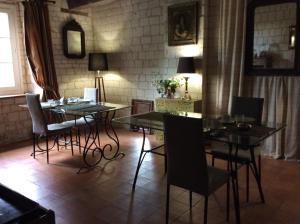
(272, 38)
(73, 40)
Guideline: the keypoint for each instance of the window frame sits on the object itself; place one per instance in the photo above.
(11, 10)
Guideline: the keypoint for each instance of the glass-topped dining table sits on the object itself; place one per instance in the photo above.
(93, 151)
(221, 129)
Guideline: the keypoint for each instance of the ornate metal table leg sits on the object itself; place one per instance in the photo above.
(111, 133)
(92, 147)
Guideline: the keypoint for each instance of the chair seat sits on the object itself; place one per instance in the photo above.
(80, 121)
(59, 126)
(221, 151)
(216, 178)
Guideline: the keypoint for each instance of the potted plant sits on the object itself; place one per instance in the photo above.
(166, 87)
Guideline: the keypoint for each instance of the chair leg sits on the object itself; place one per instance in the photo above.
(228, 197)
(205, 209)
(167, 203)
(247, 182)
(191, 199)
(56, 140)
(166, 162)
(65, 138)
(33, 143)
(47, 149)
(71, 140)
(78, 135)
(259, 167)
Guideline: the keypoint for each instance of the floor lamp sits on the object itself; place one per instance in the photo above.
(98, 62)
(186, 66)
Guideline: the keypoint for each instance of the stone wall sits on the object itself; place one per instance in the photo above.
(134, 33)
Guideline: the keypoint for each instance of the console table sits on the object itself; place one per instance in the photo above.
(162, 104)
(167, 104)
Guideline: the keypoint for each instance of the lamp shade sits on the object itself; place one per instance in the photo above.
(186, 65)
(98, 62)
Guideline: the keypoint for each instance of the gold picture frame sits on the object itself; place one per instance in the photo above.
(183, 24)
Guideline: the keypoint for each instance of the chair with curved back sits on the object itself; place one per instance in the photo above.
(186, 161)
(248, 107)
(40, 128)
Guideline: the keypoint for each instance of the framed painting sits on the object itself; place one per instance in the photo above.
(183, 24)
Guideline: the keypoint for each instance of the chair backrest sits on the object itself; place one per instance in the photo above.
(248, 106)
(186, 159)
(90, 94)
(39, 124)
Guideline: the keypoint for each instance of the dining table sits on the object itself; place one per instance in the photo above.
(102, 113)
(216, 128)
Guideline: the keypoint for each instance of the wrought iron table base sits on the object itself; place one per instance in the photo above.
(94, 147)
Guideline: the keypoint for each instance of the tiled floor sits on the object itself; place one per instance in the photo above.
(104, 194)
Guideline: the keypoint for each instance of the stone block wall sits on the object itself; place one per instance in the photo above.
(134, 33)
(15, 121)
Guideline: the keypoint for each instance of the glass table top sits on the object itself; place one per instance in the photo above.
(83, 109)
(214, 127)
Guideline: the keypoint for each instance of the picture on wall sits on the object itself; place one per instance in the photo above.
(183, 24)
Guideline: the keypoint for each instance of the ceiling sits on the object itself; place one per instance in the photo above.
(76, 3)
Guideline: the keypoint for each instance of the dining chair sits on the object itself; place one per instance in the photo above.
(90, 94)
(248, 107)
(186, 161)
(40, 128)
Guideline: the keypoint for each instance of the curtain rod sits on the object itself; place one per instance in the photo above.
(47, 1)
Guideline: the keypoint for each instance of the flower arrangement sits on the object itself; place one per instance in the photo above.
(166, 87)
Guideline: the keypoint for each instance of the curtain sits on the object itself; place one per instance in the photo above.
(39, 47)
(231, 37)
(281, 105)
(281, 94)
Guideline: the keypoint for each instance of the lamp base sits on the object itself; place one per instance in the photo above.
(187, 96)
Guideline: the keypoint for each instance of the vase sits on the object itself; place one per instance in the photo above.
(169, 94)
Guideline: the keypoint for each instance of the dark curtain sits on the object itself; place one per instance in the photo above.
(39, 46)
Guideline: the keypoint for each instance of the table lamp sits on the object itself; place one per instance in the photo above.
(98, 62)
(186, 66)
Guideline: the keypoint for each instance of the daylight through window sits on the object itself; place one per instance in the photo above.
(9, 72)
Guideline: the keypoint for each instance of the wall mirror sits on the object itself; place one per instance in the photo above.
(272, 45)
(73, 40)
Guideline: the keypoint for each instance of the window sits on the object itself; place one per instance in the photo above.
(10, 77)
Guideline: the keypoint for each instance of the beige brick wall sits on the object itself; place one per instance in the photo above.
(134, 33)
(15, 122)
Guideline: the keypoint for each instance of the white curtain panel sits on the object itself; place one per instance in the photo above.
(281, 105)
(281, 94)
